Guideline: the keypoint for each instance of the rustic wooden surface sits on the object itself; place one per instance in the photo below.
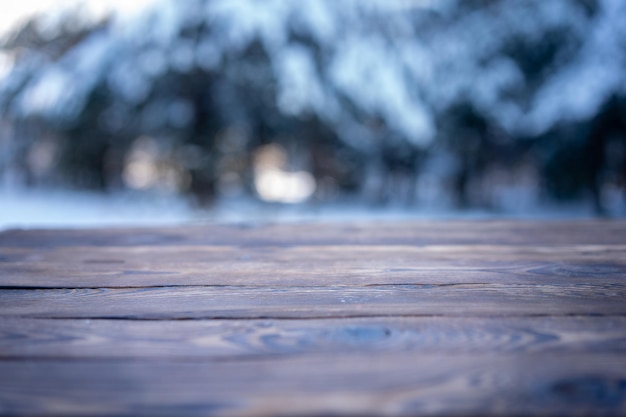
(426, 318)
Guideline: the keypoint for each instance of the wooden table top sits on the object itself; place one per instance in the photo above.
(409, 318)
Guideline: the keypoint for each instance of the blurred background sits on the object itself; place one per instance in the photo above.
(165, 111)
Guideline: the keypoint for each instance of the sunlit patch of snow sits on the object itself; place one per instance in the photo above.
(275, 185)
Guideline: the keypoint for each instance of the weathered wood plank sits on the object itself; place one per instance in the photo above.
(348, 384)
(433, 318)
(446, 232)
(75, 267)
(313, 302)
(24, 339)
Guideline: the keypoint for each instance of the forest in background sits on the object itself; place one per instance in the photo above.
(462, 103)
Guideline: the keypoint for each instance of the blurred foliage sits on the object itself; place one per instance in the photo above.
(390, 101)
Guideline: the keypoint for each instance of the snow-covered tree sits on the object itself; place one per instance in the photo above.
(196, 87)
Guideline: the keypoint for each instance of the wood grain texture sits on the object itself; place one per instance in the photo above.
(447, 232)
(316, 302)
(424, 318)
(93, 267)
(346, 384)
(224, 339)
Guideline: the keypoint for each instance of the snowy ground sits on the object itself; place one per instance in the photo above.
(76, 209)
(49, 209)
